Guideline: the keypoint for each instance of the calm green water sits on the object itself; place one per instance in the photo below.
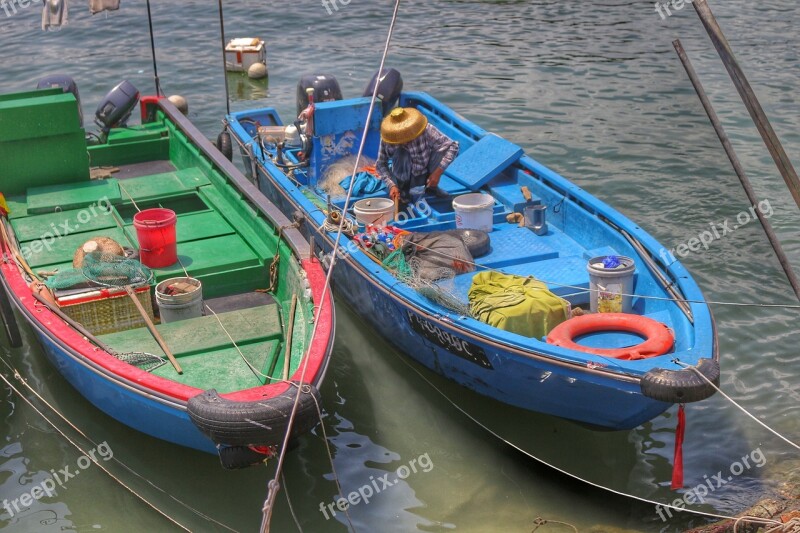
(594, 90)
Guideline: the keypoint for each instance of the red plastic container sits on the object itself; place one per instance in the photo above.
(155, 229)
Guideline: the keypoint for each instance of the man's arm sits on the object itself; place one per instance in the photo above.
(439, 141)
(382, 166)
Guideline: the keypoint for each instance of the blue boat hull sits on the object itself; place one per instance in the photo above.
(522, 379)
(161, 418)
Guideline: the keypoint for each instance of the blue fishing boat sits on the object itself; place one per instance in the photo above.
(526, 228)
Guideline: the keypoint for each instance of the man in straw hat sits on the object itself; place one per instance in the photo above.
(419, 154)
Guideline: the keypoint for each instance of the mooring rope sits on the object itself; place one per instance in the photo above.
(186, 506)
(274, 486)
(570, 474)
(735, 404)
(78, 447)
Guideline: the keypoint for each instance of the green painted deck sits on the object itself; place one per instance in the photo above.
(72, 196)
(206, 354)
(215, 245)
(221, 240)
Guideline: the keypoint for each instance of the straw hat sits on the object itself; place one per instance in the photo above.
(404, 124)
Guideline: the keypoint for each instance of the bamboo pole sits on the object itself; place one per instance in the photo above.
(737, 167)
(153, 331)
(749, 98)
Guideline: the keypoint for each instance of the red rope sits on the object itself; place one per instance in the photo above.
(677, 461)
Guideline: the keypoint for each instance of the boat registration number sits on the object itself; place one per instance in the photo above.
(455, 345)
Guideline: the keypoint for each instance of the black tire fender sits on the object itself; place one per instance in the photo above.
(258, 423)
(682, 386)
(225, 144)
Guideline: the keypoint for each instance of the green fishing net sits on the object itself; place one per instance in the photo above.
(441, 292)
(102, 269)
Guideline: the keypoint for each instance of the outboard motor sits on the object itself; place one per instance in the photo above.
(66, 84)
(117, 106)
(390, 85)
(326, 89)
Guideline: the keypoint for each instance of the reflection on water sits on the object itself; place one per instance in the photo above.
(242, 88)
(592, 90)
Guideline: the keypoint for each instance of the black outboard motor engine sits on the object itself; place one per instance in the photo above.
(66, 84)
(390, 85)
(326, 89)
(117, 106)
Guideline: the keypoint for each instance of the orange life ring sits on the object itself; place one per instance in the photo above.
(658, 337)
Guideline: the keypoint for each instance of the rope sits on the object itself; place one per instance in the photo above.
(569, 474)
(539, 522)
(742, 409)
(643, 296)
(252, 368)
(94, 460)
(129, 196)
(255, 371)
(273, 484)
(289, 503)
(276, 260)
(349, 226)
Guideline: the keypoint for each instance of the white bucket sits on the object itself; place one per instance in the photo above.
(175, 307)
(376, 211)
(611, 288)
(474, 211)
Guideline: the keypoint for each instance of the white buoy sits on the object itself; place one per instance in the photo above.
(257, 71)
(180, 102)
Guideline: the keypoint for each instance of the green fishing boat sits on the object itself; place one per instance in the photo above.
(161, 284)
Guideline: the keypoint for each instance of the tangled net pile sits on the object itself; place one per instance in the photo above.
(102, 270)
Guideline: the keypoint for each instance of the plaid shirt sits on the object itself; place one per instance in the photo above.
(420, 150)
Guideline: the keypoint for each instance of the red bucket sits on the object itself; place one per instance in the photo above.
(155, 229)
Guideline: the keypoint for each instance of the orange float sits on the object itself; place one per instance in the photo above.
(659, 339)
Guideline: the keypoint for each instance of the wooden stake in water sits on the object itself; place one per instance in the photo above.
(749, 98)
(737, 167)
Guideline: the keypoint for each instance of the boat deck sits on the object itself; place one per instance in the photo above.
(215, 245)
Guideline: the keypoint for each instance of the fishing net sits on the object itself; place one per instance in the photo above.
(339, 171)
(429, 263)
(145, 361)
(102, 269)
